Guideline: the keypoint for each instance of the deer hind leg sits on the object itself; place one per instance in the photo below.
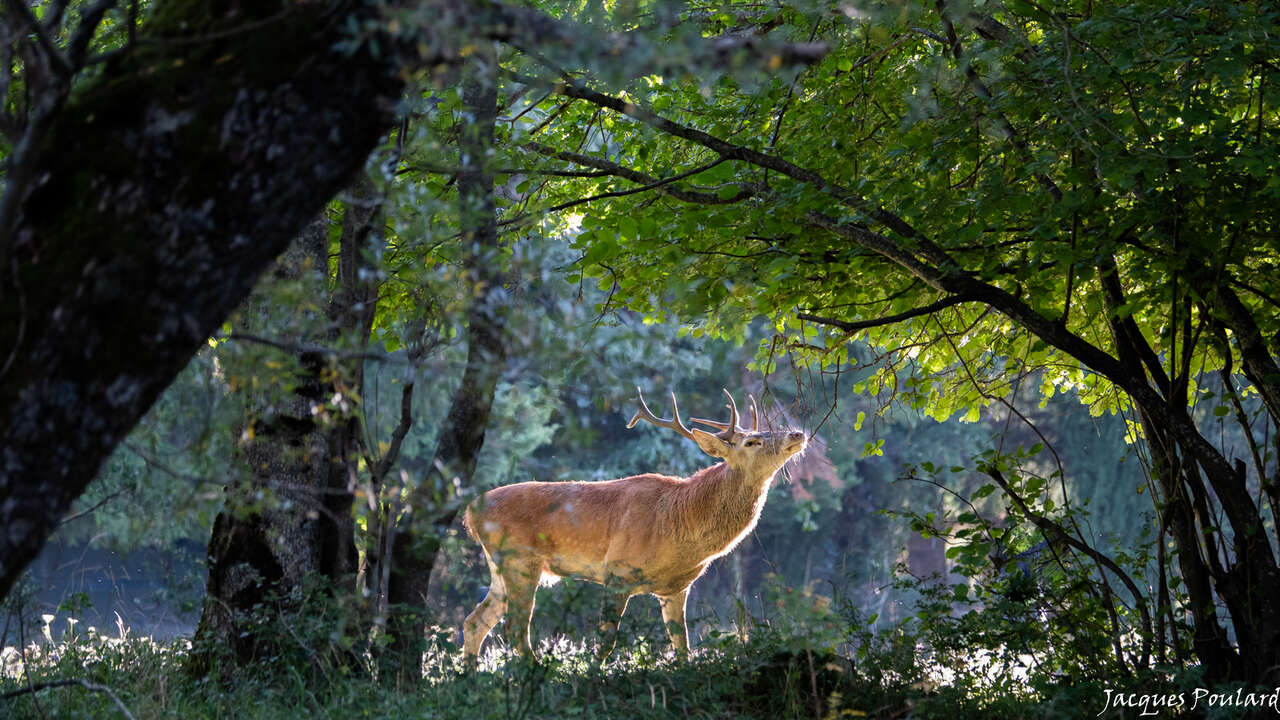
(673, 616)
(610, 619)
(487, 614)
(521, 579)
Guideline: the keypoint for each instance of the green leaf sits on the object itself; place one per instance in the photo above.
(628, 228)
(983, 491)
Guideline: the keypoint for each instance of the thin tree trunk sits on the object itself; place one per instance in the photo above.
(417, 536)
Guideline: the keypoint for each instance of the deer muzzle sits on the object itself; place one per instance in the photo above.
(795, 442)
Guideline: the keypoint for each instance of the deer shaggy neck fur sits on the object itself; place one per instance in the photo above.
(711, 504)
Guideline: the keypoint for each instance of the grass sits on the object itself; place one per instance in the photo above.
(814, 666)
(727, 678)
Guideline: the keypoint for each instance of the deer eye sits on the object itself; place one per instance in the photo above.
(752, 442)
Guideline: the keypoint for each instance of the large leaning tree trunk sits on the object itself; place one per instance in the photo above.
(415, 540)
(157, 195)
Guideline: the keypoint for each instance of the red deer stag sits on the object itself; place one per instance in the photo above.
(642, 534)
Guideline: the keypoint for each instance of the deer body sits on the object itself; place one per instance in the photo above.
(647, 533)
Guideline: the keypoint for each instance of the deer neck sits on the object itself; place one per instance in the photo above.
(729, 502)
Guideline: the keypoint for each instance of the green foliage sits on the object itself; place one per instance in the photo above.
(1131, 127)
(1022, 606)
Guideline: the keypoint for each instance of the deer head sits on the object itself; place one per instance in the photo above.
(754, 452)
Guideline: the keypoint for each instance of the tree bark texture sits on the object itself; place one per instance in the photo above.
(288, 514)
(165, 186)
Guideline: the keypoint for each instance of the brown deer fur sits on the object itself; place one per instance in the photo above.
(642, 534)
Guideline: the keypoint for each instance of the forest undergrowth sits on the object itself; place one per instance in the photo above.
(814, 659)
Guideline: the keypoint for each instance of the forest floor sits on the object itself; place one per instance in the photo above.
(95, 676)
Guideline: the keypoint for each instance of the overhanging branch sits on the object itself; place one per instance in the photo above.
(664, 186)
(852, 327)
(731, 151)
(1236, 501)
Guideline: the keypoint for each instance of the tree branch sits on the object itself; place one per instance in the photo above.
(57, 60)
(1052, 528)
(1258, 361)
(745, 190)
(453, 171)
(90, 19)
(89, 510)
(730, 151)
(852, 327)
(397, 436)
(616, 193)
(299, 348)
(1235, 499)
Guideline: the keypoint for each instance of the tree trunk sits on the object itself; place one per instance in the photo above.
(165, 186)
(286, 534)
(301, 464)
(417, 537)
(1209, 575)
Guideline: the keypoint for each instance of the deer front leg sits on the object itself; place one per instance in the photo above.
(610, 618)
(673, 616)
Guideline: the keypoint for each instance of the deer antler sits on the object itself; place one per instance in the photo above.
(644, 413)
(731, 426)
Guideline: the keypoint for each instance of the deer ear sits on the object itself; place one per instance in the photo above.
(711, 444)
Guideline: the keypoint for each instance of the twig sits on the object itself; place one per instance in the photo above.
(745, 190)
(83, 513)
(308, 348)
(618, 193)
(1053, 529)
